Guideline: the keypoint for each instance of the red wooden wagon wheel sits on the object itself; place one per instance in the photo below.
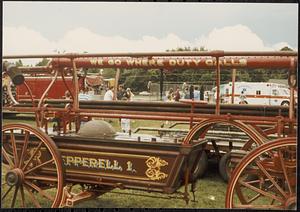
(226, 165)
(274, 164)
(32, 169)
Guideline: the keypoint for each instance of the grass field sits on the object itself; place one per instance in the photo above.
(210, 189)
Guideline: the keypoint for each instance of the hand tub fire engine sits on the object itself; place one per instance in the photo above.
(44, 163)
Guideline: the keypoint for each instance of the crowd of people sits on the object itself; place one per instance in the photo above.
(121, 94)
(186, 92)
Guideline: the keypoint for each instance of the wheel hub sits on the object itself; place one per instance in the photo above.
(290, 203)
(14, 177)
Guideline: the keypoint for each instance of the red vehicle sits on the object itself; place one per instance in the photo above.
(39, 84)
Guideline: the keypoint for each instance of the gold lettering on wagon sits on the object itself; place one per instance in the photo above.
(154, 164)
(105, 164)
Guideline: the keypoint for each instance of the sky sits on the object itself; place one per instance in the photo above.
(97, 27)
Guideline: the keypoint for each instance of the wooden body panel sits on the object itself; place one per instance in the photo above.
(151, 166)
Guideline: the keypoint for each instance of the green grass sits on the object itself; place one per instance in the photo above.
(207, 187)
(211, 185)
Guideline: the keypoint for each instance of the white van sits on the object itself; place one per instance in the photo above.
(260, 93)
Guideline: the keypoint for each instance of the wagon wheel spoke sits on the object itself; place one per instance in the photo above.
(32, 156)
(4, 195)
(262, 192)
(14, 147)
(22, 196)
(247, 146)
(39, 166)
(14, 197)
(7, 158)
(284, 171)
(6, 165)
(253, 181)
(258, 163)
(240, 194)
(24, 148)
(259, 195)
(254, 198)
(33, 199)
(35, 187)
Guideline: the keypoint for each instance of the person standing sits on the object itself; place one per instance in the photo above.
(109, 95)
(149, 86)
(191, 92)
(186, 94)
(196, 93)
(184, 86)
(185, 91)
(177, 95)
(125, 123)
(242, 98)
(170, 95)
(201, 93)
(129, 95)
(121, 92)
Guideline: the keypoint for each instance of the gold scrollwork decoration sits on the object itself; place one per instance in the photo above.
(154, 164)
(36, 159)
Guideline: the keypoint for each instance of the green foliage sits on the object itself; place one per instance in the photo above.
(107, 72)
(187, 48)
(19, 63)
(137, 79)
(258, 75)
(286, 48)
(242, 75)
(93, 70)
(44, 62)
